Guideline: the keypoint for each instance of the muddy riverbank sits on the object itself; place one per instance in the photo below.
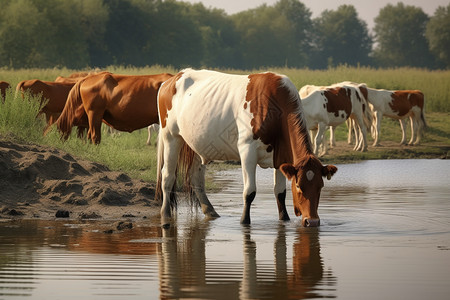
(43, 182)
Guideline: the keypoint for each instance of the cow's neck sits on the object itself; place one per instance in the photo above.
(299, 139)
(294, 145)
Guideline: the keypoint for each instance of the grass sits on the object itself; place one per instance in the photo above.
(129, 153)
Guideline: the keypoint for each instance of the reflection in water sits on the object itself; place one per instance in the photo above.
(185, 271)
(54, 259)
(385, 233)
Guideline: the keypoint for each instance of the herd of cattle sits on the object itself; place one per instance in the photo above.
(259, 119)
(128, 102)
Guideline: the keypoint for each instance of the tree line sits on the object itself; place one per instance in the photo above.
(98, 33)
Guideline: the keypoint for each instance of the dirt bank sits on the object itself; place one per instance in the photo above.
(43, 182)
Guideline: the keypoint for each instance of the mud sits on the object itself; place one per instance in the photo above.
(43, 182)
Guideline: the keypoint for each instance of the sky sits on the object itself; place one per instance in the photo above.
(367, 9)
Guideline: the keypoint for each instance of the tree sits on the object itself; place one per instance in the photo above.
(299, 17)
(176, 39)
(341, 38)
(68, 40)
(438, 35)
(42, 33)
(93, 18)
(400, 35)
(220, 40)
(25, 36)
(274, 35)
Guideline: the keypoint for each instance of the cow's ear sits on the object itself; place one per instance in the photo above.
(288, 170)
(328, 171)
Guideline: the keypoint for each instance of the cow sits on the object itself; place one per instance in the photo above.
(53, 96)
(332, 106)
(74, 77)
(257, 119)
(3, 87)
(399, 105)
(124, 102)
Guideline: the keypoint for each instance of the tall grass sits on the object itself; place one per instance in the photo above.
(434, 84)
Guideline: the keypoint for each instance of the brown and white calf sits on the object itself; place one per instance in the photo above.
(399, 105)
(332, 106)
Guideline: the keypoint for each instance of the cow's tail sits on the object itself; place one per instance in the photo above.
(182, 173)
(66, 120)
(423, 121)
(19, 88)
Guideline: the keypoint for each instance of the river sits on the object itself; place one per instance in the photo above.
(384, 234)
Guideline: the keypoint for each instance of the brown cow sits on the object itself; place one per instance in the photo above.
(124, 102)
(74, 77)
(3, 87)
(55, 92)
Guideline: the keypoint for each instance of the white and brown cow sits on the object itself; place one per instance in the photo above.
(332, 106)
(398, 105)
(256, 119)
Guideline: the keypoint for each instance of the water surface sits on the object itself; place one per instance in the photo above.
(385, 234)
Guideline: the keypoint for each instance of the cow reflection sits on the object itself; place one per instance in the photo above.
(302, 281)
(186, 272)
(182, 266)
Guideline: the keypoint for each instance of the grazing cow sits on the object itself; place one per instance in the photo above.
(74, 77)
(398, 105)
(368, 114)
(3, 87)
(331, 107)
(124, 102)
(53, 97)
(256, 119)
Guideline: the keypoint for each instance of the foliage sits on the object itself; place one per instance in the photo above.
(438, 35)
(98, 33)
(400, 33)
(342, 38)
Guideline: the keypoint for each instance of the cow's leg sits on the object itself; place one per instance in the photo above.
(312, 135)
(361, 143)
(414, 127)
(172, 147)
(149, 129)
(377, 119)
(319, 138)
(332, 139)
(350, 125)
(356, 132)
(418, 130)
(402, 126)
(280, 194)
(248, 162)
(95, 126)
(197, 175)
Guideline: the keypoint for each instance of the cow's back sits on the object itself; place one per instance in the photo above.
(205, 107)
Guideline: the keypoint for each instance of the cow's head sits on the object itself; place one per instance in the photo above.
(307, 184)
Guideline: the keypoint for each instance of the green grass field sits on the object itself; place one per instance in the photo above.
(129, 153)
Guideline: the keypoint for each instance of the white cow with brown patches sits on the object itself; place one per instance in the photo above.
(398, 105)
(331, 106)
(256, 119)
